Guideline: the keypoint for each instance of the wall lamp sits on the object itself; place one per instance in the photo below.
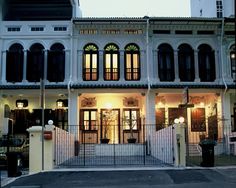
(62, 103)
(179, 120)
(21, 103)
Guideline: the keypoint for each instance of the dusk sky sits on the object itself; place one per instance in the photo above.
(135, 8)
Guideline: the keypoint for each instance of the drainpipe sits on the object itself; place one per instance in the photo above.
(148, 81)
(225, 132)
(221, 56)
(70, 82)
(147, 52)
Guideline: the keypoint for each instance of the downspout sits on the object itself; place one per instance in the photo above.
(225, 131)
(221, 55)
(70, 82)
(149, 87)
(147, 52)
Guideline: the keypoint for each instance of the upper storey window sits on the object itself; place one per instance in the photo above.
(219, 9)
(111, 62)
(14, 65)
(186, 63)
(56, 63)
(166, 63)
(206, 63)
(35, 63)
(132, 62)
(90, 62)
(233, 62)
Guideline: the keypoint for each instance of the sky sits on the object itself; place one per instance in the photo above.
(135, 8)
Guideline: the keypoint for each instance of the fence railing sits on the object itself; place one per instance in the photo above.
(151, 147)
(224, 149)
(91, 148)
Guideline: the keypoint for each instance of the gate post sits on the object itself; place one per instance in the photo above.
(35, 148)
(179, 145)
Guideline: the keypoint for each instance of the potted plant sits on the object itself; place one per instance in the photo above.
(131, 123)
(107, 118)
(105, 139)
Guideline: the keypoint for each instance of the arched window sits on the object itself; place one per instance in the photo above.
(111, 62)
(56, 63)
(233, 62)
(35, 63)
(132, 62)
(166, 63)
(186, 63)
(206, 63)
(90, 62)
(14, 63)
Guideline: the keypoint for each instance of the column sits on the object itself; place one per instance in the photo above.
(80, 65)
(122, 66)
(36, 159)
(67, 65)
(45, 70)
(176, 63)
(144, 65)
(217, 66)
(150, 109)
(179, 145)
(155, 66)
(73, 111)
(4, 59)
(226, 116)
(228, 67)
(25, 66)
(100, 65)
(150, 126)
(196, 67)
(74, 60)
(1, 60)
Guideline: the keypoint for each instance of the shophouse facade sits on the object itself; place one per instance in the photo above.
(136, 70)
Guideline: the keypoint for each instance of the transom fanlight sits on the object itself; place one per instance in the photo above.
(90, 47)
(111, 47)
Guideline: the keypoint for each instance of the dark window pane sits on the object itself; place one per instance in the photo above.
(35, 63)
(14, 63)
(206, 60)
(166, 63)
(186, 63)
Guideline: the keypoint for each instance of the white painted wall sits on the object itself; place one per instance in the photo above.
(209, 8)
(229, 8)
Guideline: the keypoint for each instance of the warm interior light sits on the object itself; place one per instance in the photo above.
(202, 104)
(176, 121)
(233, 56)
(50, 122)
(108, 106)
(181, 119)
(59, 103)
(20, 104)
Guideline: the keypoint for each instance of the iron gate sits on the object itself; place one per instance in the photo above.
(83, 148)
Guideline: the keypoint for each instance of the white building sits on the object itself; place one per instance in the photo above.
(137, 68)
(212, 8)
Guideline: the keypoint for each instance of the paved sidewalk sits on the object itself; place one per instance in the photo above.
(130, 177)
(6, 180)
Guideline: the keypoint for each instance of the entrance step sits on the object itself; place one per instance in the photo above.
(195, 150)
(87, 150)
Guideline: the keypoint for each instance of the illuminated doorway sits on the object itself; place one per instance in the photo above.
(110, 125)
